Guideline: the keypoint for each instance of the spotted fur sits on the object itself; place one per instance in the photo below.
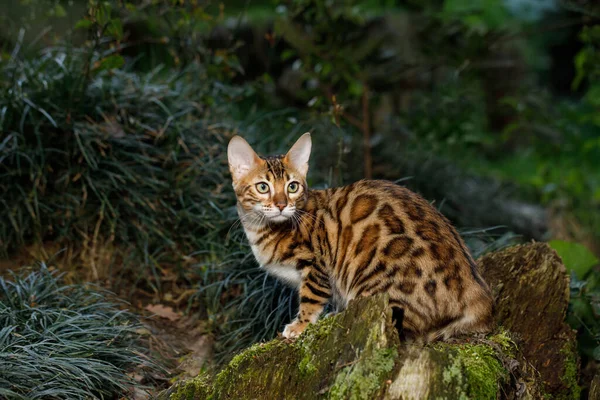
(357, 240)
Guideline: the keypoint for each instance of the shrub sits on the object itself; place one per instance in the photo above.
(64, 341)
(113, 157)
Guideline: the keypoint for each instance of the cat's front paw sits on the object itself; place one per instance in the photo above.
(293, 329)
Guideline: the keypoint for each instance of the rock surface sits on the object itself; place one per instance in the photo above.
(357, 354)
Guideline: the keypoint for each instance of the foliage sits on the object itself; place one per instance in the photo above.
(584, 307)
(587, 60)
(113, 157)
(584, 313)
(114, 133)
(28, 24)
(450, 119)
(576, 257)
(327, 46)
(171, 33)
(147, 33)
(64, 341)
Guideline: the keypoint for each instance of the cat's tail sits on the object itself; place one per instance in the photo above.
(476, 318)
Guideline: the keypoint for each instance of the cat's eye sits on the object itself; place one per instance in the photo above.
(293, 187)
(262, 187)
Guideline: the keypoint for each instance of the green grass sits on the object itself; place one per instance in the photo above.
(115, 157)
(64, 341)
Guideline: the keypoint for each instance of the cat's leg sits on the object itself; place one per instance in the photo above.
(314, 293)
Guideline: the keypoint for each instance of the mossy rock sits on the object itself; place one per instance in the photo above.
(357, 354)
(364, 356)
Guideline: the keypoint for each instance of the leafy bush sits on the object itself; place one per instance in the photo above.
(327, 44)
(110, 157)
(64, 341)
(584, 306)
(584, 314)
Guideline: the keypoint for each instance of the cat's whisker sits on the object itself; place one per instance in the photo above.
(250, 218)
(302, 222)
(303, 214)
(307, 214)
(233, 226)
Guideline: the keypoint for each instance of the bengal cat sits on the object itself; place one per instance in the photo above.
(357, 240)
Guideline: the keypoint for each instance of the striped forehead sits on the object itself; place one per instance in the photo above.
(275, 167)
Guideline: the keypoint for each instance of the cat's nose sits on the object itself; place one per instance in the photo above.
(281, 206)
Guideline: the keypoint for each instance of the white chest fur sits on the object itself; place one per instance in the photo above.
(287, 272)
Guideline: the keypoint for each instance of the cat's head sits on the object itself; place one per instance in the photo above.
(271, 189)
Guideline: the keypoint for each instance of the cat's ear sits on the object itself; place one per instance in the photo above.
(299, 154)
(242, 159)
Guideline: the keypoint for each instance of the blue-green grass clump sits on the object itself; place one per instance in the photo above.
(65, 341)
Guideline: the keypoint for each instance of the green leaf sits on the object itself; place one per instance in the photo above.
(580, 62)
(287, 54)
(130, 7)
(83, 24)
(103, 13)
(356, 88)
(58, 11)
(115, 28)
(575, 256)
(597, 353)
(110, 62)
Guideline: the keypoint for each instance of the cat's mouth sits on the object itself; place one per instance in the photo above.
(278, 218)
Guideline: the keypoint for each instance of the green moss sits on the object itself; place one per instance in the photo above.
(475, 370)
(314, 332)
(306, 366)
(506, 343)
(364, 378)
(245, 357)
(452, 376)
(251, 352)
(192, 389)
(570, 375)
(306, 341)
(483, 370)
